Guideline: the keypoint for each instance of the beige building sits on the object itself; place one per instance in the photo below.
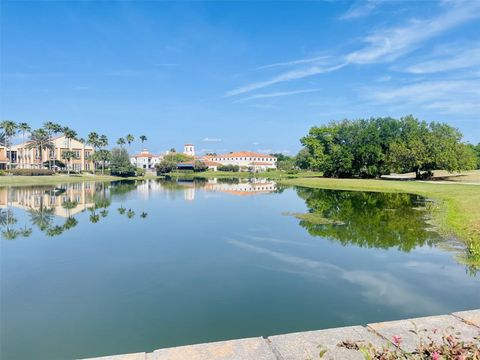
(246, 160)
(25, 158)
(3, 158)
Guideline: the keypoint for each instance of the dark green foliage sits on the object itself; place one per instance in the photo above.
(165, 166)
(199, 166)
(120, 163)
(177, 157)
(284, 162)
(231, 168)
(31, 172)
(378, 146)
(302, 159)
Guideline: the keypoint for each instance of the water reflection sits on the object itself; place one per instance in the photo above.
(53, 209)
(367, 219)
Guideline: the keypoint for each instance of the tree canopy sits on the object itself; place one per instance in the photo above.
(379, 146)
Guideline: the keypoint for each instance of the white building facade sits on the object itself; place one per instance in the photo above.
(246, 160)
(145, 160)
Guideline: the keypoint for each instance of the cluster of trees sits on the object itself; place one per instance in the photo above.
(379, 146)
(170, 161)
(42, 139)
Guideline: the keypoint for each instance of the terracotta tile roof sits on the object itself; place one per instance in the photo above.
(238, 154)
(144, 154)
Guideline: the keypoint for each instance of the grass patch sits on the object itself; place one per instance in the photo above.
(456, 210)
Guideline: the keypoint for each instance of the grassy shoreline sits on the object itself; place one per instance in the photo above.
(457, 208)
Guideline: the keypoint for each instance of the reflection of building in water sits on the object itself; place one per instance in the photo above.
(189, 193)
(252, 187)
(67, 200)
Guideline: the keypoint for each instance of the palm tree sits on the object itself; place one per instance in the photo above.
(41, 217)
(3, 139)
(10, 234)
(68, 155)
(130, 213)
(70, 223)
(55, 231)
(69, 134)
(82, 141)
(24, 128)
(92, 139)
(52, 128)
(129, 138)
(103, 142)
(143, 138)
(10, 129)
(121, 142)
(40, 139)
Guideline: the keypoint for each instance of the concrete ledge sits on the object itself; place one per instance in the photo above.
(307, 345)
(470, 317)
(244, 349)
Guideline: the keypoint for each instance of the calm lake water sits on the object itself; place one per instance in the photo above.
(95, 269)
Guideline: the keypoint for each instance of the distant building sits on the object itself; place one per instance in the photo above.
(145, 160)
(189, 149)
(246, 160)
(3, 158)
(24, 157)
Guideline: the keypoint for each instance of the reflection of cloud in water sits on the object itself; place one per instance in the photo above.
(280, 241)
(377, 287)
(291, 259)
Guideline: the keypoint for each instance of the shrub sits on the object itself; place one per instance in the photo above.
(31, 172)
(231, 168)
(140, 171)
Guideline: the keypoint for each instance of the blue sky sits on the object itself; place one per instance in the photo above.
(238, 75)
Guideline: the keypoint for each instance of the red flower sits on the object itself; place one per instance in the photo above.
(435, 356)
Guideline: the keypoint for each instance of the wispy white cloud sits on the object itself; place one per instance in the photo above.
(445, 96)
(208, 139)
(360, 9)
(295, 62)
(388, 44)
(286, 76)
(275, 94)
(383, 45)
(449, 59)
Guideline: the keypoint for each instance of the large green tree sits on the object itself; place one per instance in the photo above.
(120, 163)
(378, 146)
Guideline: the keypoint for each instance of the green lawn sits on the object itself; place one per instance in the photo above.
(457, 209)
(52, 180)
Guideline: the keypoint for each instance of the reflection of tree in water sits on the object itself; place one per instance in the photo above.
(7, 222)
(380, 220)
